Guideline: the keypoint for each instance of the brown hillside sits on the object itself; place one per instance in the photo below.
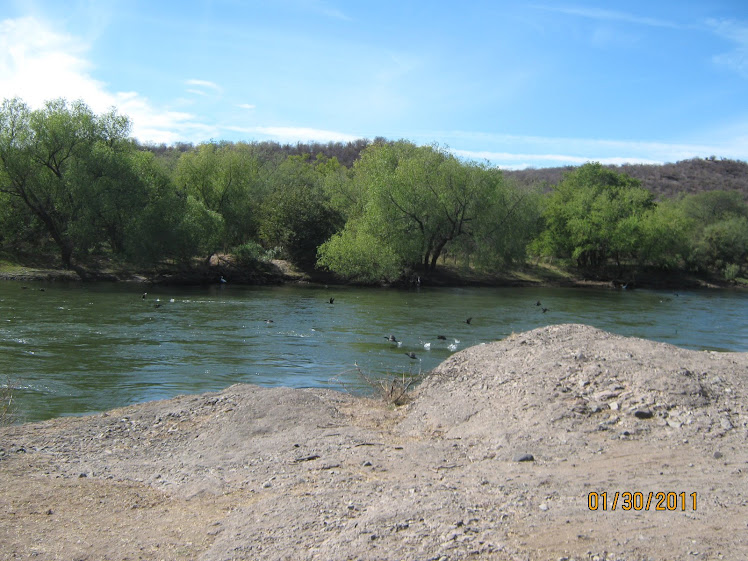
(667, 180)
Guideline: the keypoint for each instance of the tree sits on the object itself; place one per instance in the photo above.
(225, 179)
(52, 159)
(594, 215)
(415, 203)
(297, 215)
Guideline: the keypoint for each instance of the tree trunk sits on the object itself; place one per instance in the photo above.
(435, 255)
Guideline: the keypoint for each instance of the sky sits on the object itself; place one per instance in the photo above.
(535, 83)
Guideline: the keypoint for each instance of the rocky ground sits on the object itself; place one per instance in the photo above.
(495, 458)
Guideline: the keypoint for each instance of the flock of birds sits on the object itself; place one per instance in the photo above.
(391, 338)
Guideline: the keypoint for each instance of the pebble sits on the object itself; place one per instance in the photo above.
(524, 458)
(643, 414)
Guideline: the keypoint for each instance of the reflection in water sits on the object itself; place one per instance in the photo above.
(81, 348)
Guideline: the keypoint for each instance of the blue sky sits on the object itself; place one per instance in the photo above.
(531, 83)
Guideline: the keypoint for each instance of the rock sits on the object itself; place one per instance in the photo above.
(524, 458)
(643, 413)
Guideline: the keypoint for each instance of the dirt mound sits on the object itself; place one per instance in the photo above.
(547, 386)
(496, 458)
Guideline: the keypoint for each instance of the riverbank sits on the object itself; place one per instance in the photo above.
(281, 272)
(494, 458)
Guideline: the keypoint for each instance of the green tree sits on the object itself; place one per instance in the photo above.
(664, 241)
(594, 214)
(52, 160)
(297, 215)
(717, 229)
(225, 178)
(409, 204)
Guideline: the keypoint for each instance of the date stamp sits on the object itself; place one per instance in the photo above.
(653, 500)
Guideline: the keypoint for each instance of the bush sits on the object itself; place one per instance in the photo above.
(249, 254)
(731, 271)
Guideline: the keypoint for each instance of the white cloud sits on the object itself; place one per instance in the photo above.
(509, 160)
(517, 152)
(247, 106)
(203, 85)
(39, 63)
(296, 134)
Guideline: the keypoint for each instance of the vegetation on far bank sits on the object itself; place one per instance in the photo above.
(74, 184)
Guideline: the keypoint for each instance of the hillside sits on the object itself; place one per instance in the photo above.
(667, 180)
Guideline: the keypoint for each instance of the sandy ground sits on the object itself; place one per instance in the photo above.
(258, 473)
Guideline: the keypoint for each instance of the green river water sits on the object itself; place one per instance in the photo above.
(70, 349)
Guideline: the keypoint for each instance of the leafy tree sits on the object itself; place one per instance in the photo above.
(297, 215)
(225, 179)
(593, 215)
(52, 160)
(664, 240)
(409, 204)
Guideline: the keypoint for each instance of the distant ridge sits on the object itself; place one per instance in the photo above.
(665, 181)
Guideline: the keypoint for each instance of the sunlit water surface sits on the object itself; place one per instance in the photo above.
(80, 348)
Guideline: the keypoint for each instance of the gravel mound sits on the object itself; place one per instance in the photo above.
(496, 457)
(541, 388)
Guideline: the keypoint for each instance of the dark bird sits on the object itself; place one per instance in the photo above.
(268, 321)
(144, 295)
(545, 310)
(391, 338)
(157, 305)
(538, 303)
(332, 300)
(468, 320)
(412, 355)
(441, 337)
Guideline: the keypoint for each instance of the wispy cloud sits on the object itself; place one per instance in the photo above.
(324, 8)
(610, 15)
(203, 87)
(295, 134)
(247, 106)
(517, 152)
(737, 33)
(508, 160)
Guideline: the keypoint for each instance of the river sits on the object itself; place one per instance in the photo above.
(70, 349)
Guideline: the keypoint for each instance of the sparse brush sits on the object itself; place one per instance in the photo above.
(6, 403)
(392, 390)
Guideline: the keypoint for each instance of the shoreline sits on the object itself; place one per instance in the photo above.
(280, 272)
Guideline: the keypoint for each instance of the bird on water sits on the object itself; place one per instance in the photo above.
(441, 337)
(391, 338)
(468, 320)
(412, 355)
(332, 300)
